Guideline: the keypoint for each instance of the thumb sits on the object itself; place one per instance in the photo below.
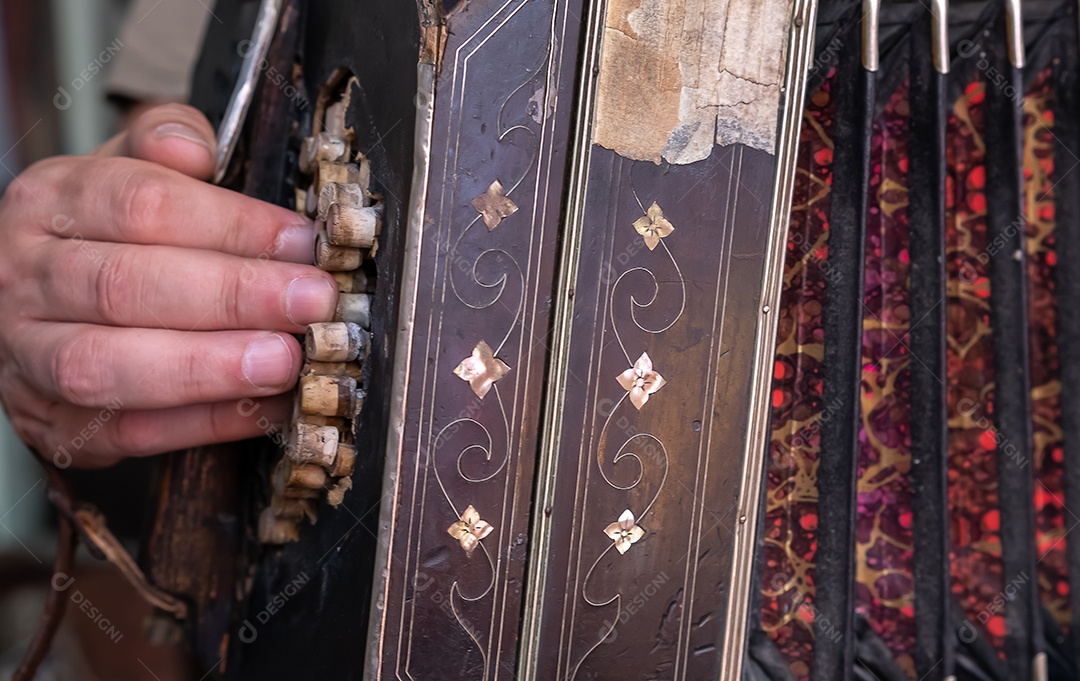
(176, 136)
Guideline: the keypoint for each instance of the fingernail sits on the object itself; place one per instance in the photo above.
(309, 300)
(296, 243)
(181, 131)
(268, 363)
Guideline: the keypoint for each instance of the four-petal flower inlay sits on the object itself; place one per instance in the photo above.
(653, 226)
(470, 530)
(494, 205)
(624, 531)
(641, 381)
(481, 369)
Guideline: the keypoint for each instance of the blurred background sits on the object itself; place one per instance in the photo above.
(44, 44)
(54, 100)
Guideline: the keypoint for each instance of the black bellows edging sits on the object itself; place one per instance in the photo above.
(929, 411)
(1006, 224)
(1066, 177)
(842, 321)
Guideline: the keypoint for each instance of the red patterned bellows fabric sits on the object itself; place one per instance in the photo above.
(1050, 514)
(973, 482)
(883, 552)
(797, 408)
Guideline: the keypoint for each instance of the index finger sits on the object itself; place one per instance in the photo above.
(124, 200)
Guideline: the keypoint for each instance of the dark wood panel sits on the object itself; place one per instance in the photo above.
(476, 364)
(692, 305)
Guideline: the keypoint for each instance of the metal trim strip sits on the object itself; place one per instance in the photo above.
(562, 325)
(425, 110)
(799, 59)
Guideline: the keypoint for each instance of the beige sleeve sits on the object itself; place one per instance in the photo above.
(159, 43)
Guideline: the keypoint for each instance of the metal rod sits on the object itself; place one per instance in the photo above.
(1039, 670)
(834, 656)
(254, 52)
(1014, 30)
(929, 411)
(939, 31)
(870, 14)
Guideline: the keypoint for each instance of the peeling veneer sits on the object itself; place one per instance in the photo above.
(678, 76)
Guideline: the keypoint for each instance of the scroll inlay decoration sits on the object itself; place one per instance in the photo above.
(490, 280)
(645, 449)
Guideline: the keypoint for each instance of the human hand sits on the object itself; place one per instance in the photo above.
(139, 304)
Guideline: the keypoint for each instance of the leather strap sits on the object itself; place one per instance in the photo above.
(83, 521)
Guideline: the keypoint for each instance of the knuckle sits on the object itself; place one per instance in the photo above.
(21, 425)
(79, 372)
(142, 204)
(190, 372)
(9, 278)
(132, 434)
(27, 433)
(220, 419)
(236, 301)
(34, 181)
(21, 190)
(56, 276)
(116, 288)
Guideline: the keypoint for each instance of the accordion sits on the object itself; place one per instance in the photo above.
(679, 340)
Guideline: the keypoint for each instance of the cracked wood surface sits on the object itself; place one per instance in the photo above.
(678, 76)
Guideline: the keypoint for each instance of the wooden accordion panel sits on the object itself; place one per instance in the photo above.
(702, 340)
